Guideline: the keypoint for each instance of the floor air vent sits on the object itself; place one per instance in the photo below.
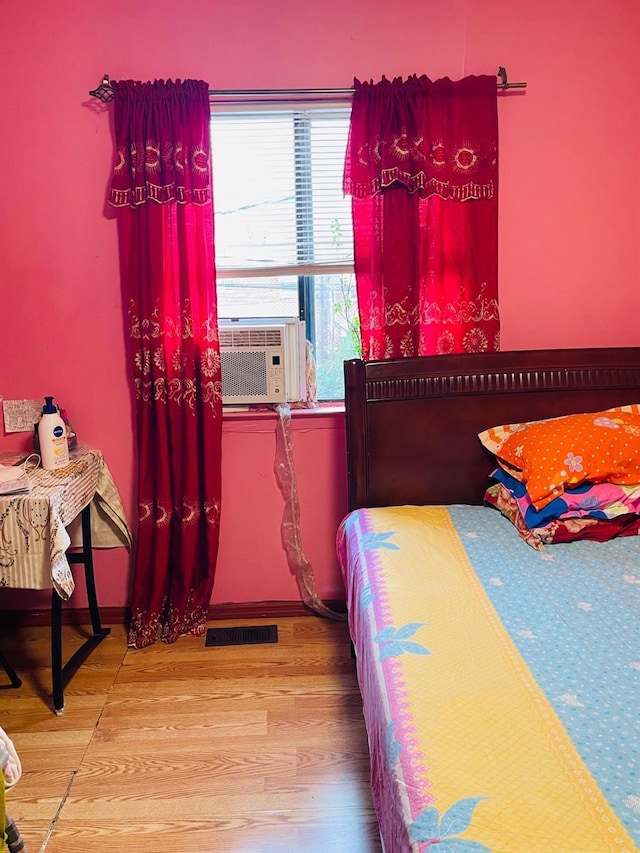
(244, 636)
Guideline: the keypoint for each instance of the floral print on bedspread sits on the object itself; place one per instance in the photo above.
(451, 771)
(574, 615)
(426, 827)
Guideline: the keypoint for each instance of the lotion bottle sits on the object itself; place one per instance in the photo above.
(52, 437)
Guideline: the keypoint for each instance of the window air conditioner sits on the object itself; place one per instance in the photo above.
(262, 361)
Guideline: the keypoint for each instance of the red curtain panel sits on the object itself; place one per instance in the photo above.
(422, 170)
(161, 187)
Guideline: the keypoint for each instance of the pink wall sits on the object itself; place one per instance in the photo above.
(569, 267)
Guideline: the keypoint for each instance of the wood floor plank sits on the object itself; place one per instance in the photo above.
(128, 805)
(261, 833)
(206, 749)
(36, 714)
(184, 724)
(211, 670)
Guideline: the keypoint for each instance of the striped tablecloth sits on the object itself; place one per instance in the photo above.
(37, 528)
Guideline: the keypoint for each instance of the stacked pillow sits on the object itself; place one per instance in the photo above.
(573, 477)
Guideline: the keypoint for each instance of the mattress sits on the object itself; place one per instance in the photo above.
(500, 685)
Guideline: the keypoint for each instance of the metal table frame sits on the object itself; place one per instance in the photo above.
(61, 673)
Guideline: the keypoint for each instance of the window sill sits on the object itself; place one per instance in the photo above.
(260, 412)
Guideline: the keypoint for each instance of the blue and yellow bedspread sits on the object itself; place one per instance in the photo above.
(501, 685)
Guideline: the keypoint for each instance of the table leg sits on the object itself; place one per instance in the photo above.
(61, 675)
(56, 653)
(89, 573)
(15, 680)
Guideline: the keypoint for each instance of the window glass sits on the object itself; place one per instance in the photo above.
(283, 231)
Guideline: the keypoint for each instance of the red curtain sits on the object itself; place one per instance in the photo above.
(161, 186)
(422, 170)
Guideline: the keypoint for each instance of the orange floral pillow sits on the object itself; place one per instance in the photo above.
(495, 437)
(548, 456)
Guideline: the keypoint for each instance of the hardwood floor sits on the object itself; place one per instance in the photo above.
(190, 748)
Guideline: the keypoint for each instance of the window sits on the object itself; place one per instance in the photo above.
(283, 232)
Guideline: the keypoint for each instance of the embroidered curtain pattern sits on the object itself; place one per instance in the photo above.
(422, 170)
(162, 153)
(161, 186)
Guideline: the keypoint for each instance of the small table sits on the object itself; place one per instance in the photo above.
(36, 530)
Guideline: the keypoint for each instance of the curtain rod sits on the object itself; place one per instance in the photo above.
(104, 92)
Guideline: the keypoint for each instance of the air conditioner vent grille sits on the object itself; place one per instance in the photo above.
(243, 373)
(244, 337)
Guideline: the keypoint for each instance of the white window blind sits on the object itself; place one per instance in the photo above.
(279, 207)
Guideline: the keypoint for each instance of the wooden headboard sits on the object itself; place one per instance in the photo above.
(412, 424)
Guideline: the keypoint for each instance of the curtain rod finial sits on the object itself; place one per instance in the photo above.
(104, 92)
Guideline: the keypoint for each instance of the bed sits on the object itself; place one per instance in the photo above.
(500, 682)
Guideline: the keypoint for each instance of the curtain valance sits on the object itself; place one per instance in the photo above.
(163, 146)
(432, 137)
